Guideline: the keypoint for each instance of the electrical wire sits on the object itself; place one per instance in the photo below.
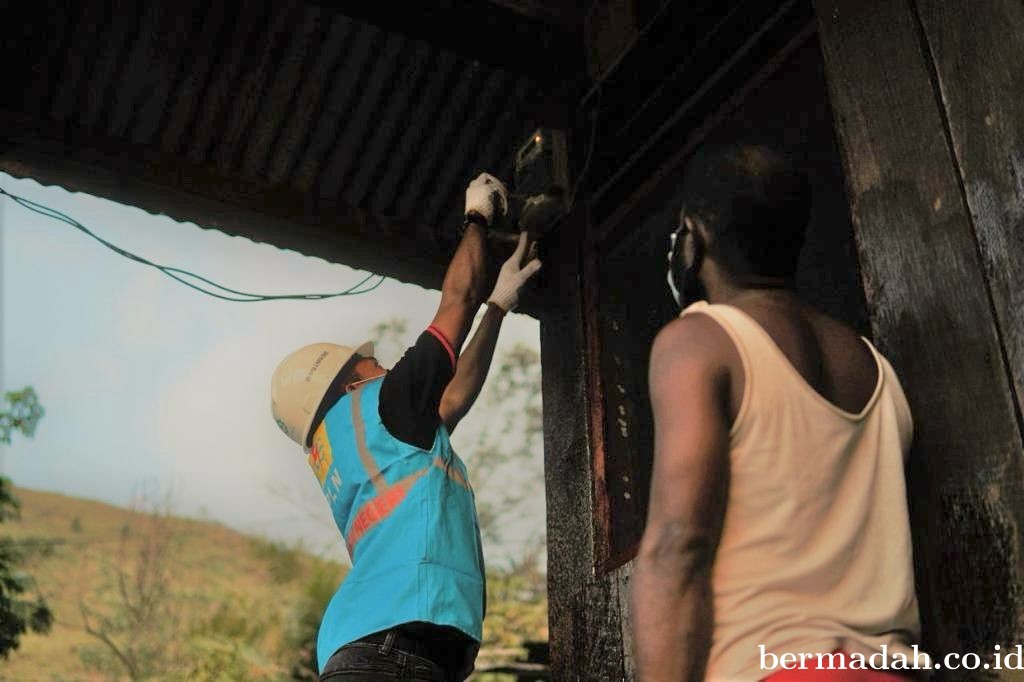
(184, 276)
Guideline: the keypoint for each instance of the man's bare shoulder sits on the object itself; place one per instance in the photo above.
(695, 337)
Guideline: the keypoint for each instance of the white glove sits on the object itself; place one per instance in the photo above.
(487, 197)
(512, 277)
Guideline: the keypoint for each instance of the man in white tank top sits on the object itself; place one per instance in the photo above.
(777, 543)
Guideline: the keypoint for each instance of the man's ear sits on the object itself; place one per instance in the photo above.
(351, 379)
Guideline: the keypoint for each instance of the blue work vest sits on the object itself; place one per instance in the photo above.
(409, 520)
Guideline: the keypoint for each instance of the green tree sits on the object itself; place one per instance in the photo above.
(225, 646)
(508, 482)
(150, 619)
(504, 485)
(517, 609)
(135, 615)
(18, 614)
(22, 413)
(300, 637)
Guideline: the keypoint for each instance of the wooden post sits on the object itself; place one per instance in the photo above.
(978, 57)
(928, 290)
(585, 610)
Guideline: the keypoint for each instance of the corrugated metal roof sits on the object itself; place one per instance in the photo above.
(290, 94)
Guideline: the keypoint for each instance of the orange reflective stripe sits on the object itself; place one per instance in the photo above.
(369, 463)
(451, 472)
(380, 507)
(388, 496)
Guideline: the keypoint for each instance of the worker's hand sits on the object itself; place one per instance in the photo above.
(512, 277)
(486, 199)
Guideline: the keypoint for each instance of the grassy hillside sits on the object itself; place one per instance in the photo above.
(169, 597)
(180, 599)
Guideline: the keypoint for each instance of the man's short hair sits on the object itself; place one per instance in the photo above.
(755, 203)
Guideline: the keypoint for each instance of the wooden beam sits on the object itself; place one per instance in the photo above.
(186, 191)
(584, 610)
(648, 103)
(931, 314)
(479, 31)
(609, 27)
(565, 13)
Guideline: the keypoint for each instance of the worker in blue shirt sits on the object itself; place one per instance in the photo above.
(412, 606)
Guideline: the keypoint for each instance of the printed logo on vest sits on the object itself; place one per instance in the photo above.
(320, 458)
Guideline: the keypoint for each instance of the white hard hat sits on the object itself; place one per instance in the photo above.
(301, 381)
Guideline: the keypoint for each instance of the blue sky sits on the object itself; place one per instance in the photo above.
(152, 387)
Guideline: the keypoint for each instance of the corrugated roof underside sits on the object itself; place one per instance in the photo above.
(287, 93)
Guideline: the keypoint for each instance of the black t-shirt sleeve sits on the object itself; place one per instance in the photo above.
(410, 396)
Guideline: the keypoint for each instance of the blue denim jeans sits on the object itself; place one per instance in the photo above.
(363, 662)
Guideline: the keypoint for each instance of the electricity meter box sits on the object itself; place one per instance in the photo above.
(541, 182)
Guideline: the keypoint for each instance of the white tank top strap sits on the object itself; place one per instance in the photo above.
(735, 326)
(765, 364)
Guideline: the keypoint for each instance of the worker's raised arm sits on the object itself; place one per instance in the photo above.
(466, 279)
(472, 368)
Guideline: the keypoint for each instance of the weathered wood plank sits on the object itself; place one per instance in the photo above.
(931, 315)
(596, 621)
(978, 52)
(577, 606)
(623, 577)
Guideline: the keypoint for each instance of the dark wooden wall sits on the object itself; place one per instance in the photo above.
(929, 111)
(789, 109)
(920, 243)
(605, 302)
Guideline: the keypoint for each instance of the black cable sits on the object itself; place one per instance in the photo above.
(182, 276)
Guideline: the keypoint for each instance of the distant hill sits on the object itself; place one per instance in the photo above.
(177, 598)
